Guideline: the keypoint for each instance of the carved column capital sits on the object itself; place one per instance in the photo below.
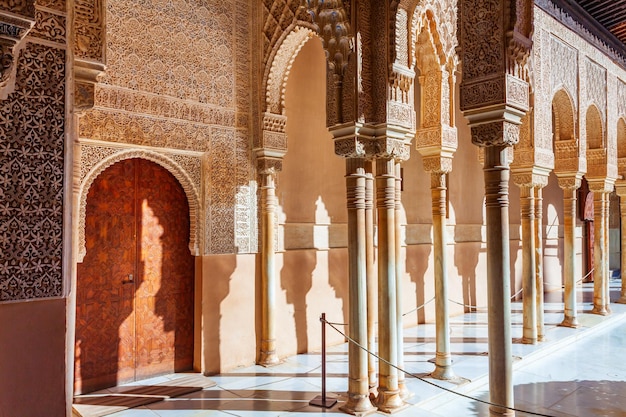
(437, 164)
(495, 133)
(569, 182)
(601, 185)
(273, 135)
(535, 178)
(269, 165)
(356, 140)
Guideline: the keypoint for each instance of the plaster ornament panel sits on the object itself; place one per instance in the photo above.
(134, 129)
(96, 159)
(32, 128)
(596, 86)
(179, 49)
(58, 5)
(483, 92)
(162, 106)
(481, 34)
(89, 30)
(564, 67)
(226, 179)
(50, 27)
(621, 98)
(444, 19)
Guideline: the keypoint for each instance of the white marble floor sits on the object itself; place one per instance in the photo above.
(575, 372)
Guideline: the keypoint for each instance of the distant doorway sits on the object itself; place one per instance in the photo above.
(135, 286)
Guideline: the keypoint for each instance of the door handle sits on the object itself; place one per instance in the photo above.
(129, 279)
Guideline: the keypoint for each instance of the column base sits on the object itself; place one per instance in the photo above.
(268, 359)
(529, 340)
(443, 372)
(569, 322)
(404, 391)
(358, 405)
(390, 401)
(600, 310)
(500, 412)
(622, 300)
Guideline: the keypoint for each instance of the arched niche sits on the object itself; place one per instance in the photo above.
(177, 171)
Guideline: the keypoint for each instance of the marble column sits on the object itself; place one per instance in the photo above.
(268, 355)
(371, 275)
(389, 398)
(600, 254)
(400, 259)
(621, 191)
(570, 187)
(496, 171)
(527, 202)
(443, 357)
(541, 331)
(358, 380)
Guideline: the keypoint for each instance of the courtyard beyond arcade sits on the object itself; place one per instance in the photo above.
(574, 372)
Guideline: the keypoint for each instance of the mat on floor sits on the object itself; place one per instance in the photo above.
(122, 398)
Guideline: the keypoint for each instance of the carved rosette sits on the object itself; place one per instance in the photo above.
(17, 18)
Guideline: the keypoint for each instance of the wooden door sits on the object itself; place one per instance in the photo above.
(134, 312)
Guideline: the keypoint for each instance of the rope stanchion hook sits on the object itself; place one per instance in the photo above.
(321, 400)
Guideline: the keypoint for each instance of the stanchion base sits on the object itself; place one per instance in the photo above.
(320, 401)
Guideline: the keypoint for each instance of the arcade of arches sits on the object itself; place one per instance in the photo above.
(189, 184)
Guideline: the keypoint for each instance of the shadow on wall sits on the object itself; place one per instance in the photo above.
(466, 262)
(571, 398)
(417, 262)
(215, 292)
(297, 287)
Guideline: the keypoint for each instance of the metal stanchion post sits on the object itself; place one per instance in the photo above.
(321, 400)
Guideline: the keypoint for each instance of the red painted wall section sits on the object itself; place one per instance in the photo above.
(32, 359)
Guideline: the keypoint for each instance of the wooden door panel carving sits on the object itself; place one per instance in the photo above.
(134, 308)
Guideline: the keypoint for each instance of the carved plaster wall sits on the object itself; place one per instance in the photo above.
(32, 128)
(581, 70)
(178, 79)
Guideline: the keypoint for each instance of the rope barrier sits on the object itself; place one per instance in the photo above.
(429, 382)
(420, 307)
(577, 282)
(484, 307)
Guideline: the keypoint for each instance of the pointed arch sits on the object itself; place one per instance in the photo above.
(281, 66)
(170, 165)
(594, 129)
(621, 138)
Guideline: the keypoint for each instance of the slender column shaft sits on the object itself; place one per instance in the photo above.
(527, 200)
(443, 358)
(599, 275)
(372, 282)
(404, 393)
(622, 299)
(496, 171)
(358, 382)
(539, 263)
(569, 258)
(607, 269)
(268, 271)
(388, 391)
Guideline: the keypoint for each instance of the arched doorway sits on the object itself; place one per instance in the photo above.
(134, 298)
